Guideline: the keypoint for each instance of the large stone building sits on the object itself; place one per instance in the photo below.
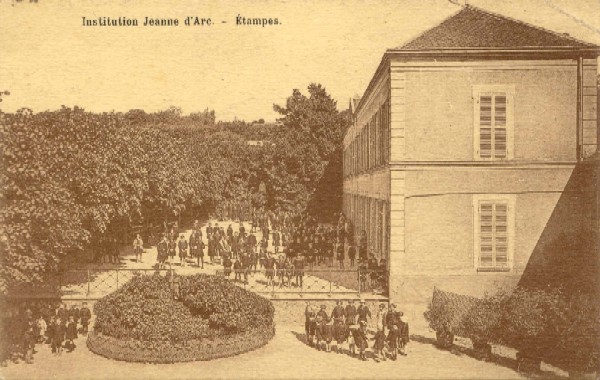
(461, 147)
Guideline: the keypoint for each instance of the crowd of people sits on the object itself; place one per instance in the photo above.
(23, 330)
(287, 246)
(348, 326)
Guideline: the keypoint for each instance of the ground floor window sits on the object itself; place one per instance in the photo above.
(493, 231)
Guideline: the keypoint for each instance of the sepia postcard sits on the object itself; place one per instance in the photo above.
(299, 189)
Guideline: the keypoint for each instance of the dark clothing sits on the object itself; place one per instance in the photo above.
(363, 312)
(350, 314)
(360, 338)
(86, 315)
(183, 246)
(162, 248)
(172, 246)
(71, 331)
(62, 314)
(352, 252)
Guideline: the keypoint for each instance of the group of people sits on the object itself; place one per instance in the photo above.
(56, 327)
(348, 325)
(288, 244)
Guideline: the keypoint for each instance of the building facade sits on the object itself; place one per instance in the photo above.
(461, 148)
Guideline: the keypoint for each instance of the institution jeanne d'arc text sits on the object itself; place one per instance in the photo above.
(187, 21)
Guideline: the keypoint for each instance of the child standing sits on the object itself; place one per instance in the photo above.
(71, 334)
(58, 336)
(41, 328)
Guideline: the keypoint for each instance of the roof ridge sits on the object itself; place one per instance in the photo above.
(501, 16)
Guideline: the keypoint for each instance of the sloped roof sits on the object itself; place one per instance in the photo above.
(475, 28)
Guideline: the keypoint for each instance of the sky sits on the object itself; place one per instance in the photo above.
(48, 59)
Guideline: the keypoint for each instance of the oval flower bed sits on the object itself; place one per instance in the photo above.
(207, 318)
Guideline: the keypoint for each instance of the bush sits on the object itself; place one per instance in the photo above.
(579, 345)
(551, 326)
(531, 321)
(446, 311)
(482, 323)
(165, 352)
(226, 305)
(144, 317)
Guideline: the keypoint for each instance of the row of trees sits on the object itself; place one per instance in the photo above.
(72, 178)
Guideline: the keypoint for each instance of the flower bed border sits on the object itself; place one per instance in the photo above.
(165, 352)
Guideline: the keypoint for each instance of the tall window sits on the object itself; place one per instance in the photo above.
(494, 122)
(494, 232)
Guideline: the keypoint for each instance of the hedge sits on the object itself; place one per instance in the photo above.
(165, 352)
(548, 325)
(146, 321)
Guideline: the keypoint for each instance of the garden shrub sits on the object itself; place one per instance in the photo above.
(531, 321)
(578, 349)
(143, 321)
(550, 326)
(446, 311)
(482, 322)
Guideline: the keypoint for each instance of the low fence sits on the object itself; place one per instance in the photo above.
(308, 283)
(315, 282)
(84, 283)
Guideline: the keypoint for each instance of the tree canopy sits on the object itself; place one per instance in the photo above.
(71, 178)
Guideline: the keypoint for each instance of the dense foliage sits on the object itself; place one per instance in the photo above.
(549, 325)
(145, 309)
(208, 317)
(72, 179)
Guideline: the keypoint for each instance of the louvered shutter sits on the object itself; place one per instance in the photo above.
(501, 234)
(493, 234)
(485, 126)
(492, 116)
(486, 234)
(500, 133)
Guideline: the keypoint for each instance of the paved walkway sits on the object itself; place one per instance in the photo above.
(285, 356)
(103, 281)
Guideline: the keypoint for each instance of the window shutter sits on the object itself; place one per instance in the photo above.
(500, 135)
(486, 234)
(501, 234)
(485, 126)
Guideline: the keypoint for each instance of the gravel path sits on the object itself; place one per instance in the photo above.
(285, 356)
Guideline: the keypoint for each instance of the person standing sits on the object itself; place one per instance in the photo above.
(195, 241)
(340, 253)
(352, 254)
(379, 345)
(71, 334)
(86, 315)
(338, 315)
(393, 325)
(60, 330)
(42, 327)
(200, 252)
(209, 231)
(162, 249)
(114, 249)
(310, 323)
(361, 339)
(323, 329)
(363, 311)
(276, 241)
(350, 312)
(28, 342)
(403, 334)
(298, 264)
(172, 246)
(227, 264)
(138, 248)
(183, 247)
